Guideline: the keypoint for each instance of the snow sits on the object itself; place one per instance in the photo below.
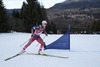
(84, 52)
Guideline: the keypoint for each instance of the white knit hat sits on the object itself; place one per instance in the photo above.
(44, 22)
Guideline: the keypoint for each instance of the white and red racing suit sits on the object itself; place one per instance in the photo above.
(36, 32)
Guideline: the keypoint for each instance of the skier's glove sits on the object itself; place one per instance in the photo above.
(46, 34)
(32, 35)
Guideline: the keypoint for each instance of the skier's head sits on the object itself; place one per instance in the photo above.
(44, 23)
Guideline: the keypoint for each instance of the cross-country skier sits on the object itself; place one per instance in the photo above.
(36, 32)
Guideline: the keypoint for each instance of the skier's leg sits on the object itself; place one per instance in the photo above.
(45, 46)
(28, 44)
(42, 44)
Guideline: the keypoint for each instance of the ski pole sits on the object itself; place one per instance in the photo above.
(24, 43)
(38, 43)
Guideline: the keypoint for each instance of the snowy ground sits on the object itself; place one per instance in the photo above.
(85, 51)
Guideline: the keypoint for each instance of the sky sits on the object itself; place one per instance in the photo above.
(12, 4)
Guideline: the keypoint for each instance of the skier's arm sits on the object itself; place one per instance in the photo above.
(45, 32)
(32, 31)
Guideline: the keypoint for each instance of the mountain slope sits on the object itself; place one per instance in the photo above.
(77, 4)
(80, 14)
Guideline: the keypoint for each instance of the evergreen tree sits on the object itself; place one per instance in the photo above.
(3, 18)
(96, 26)
(32, 14)
(15, 14)
(51, 28)
(15, 22)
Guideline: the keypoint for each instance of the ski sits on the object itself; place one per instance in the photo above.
(47, 55)
(14, 56)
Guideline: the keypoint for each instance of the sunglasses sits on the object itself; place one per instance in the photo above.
(45, 23)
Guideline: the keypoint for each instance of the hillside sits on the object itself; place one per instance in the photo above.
(80, 14)
(77, 4)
